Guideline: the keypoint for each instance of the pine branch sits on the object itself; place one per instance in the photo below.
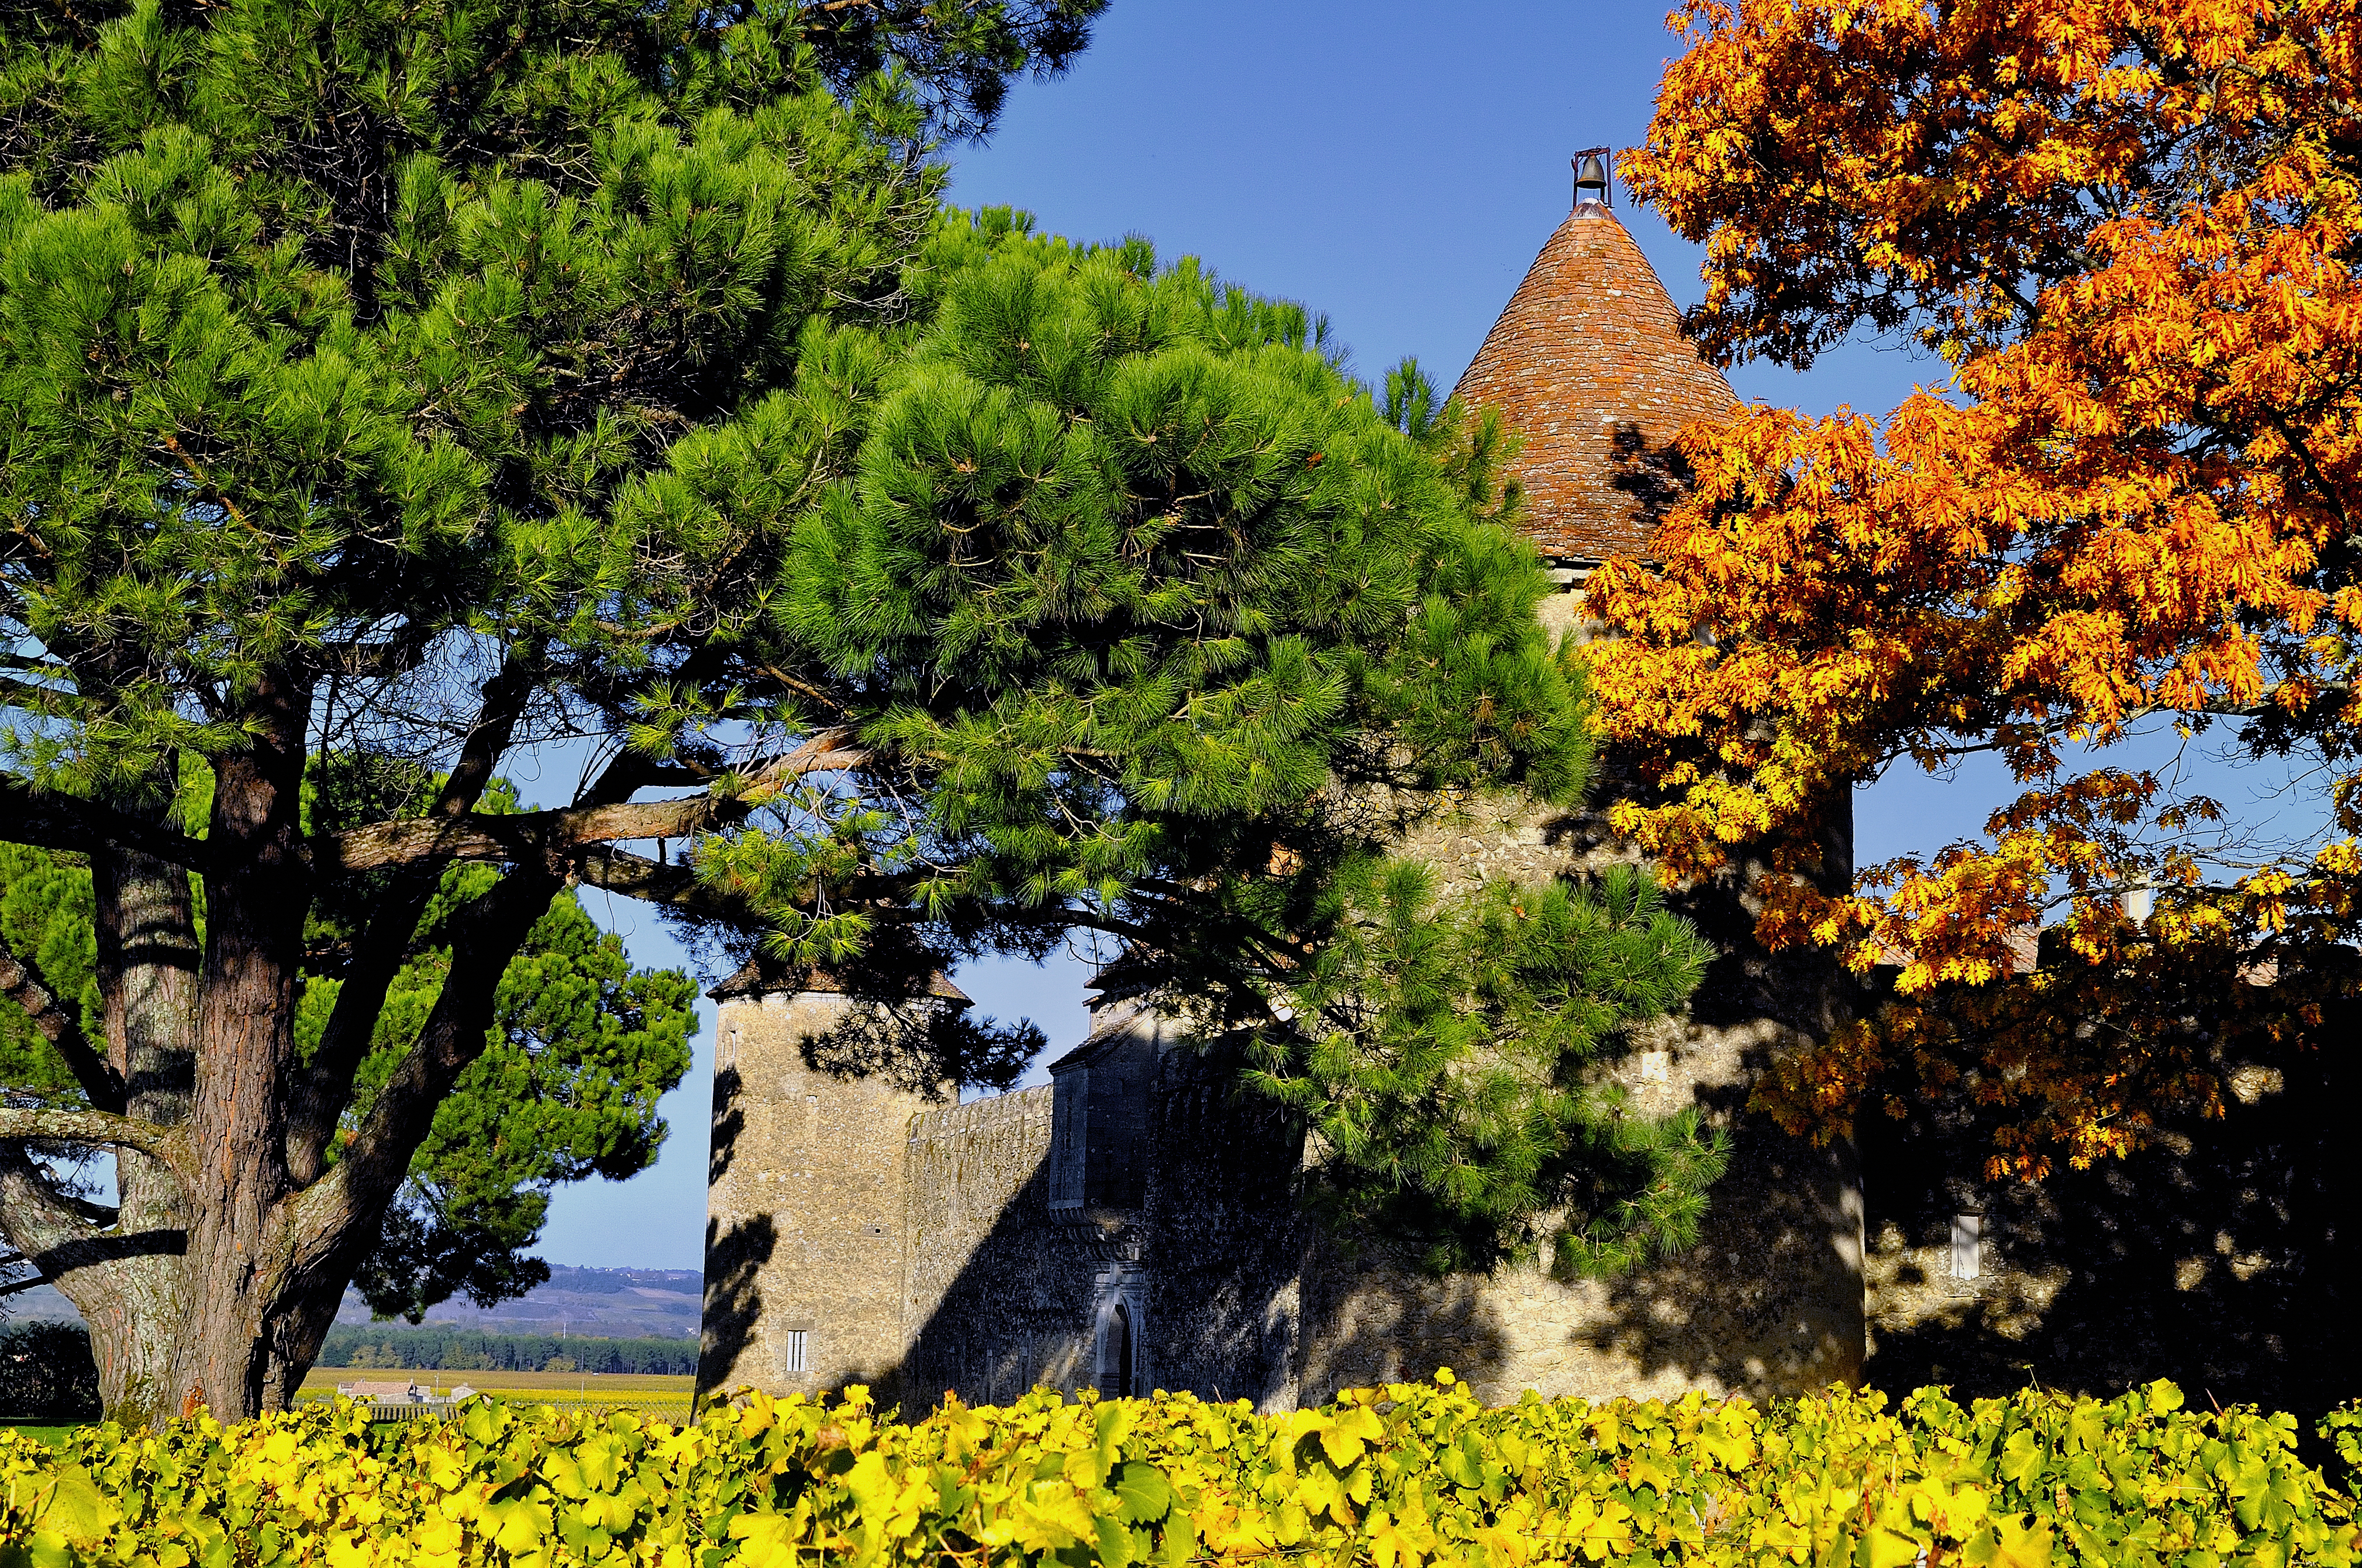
(22, 982)
(50, 701)
(325, 1086)
(48, 820)
(38, 1219)
(485, 936)
(637, 876)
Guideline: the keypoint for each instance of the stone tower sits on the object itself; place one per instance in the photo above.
(805, 1244)
(1589, 365)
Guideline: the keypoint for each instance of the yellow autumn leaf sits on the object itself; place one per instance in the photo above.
(2011, 1543)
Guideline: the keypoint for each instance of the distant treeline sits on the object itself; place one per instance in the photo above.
(468, 1349)
(46, 1373)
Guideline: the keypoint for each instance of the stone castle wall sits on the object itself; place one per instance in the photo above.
(2213, 1257)
(1770, 1300)
(998, 1298)
(1227, 1241)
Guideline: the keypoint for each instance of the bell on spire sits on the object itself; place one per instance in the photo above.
(1591, 185)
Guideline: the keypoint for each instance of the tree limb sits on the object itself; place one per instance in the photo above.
(525, 835)
(48, 820)
(485, 935)
(35, 698)
(167, 1143)
(36, 1217)
(325, 1087)
(22, 982)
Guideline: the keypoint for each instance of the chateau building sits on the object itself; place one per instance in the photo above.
(1136, 1225)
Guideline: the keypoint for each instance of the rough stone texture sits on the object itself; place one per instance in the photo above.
(1768, 1302)
(1226, 1242)
(805, 1203)
(1098, 1165)
(998, 1296)
(1190, 1242)
(2212, 1258)
(1589, 364)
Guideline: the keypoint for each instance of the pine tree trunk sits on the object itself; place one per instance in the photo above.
(137, 1304)
(240, 1241)
(216, 1284)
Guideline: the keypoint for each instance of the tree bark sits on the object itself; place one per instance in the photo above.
(134, 1281)
(256, 889)
(214, 1281)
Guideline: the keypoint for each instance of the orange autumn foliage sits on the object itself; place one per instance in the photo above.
(2130, 228)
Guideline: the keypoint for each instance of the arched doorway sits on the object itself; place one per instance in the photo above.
(1118, 1353)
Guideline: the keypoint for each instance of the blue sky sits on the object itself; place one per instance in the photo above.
(1395, 167)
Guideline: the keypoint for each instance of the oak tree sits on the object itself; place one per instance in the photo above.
(2128, 232)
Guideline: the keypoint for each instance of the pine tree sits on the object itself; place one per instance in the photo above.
(584, 1045)
(399, 389)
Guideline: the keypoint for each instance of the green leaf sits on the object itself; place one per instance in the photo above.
(76, 1510)
(1115, 1542)
(1143, 1496)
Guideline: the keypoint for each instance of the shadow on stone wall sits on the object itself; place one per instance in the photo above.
(734, 1297)
(1016, 1311)
(1765, 1301)
(1227, 1236)
(2211, 1259)
(1769, 1298)
(914, 1047)
(729, 1124)
(1373, 1319)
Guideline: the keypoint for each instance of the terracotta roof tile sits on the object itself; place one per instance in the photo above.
(1589, 364)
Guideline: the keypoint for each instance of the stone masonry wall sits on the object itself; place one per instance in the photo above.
(1226, 1239)
(998, 1296)
(1231, 1291)
(1768, 1302)
(804, 1207)
(2213, 1257)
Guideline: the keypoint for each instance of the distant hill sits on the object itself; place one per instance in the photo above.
(605, 1303)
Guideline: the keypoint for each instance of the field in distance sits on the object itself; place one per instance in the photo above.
(600, 1386)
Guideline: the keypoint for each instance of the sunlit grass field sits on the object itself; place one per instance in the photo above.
(51, 1435)
(656, 1393)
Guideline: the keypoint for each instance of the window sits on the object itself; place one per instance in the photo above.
(1967, 1237)
(792, 1354)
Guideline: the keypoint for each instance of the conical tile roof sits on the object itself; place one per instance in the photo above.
(1589, 364)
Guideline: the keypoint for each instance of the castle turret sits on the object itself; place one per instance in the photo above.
(805, 1248)
(1589, 365)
